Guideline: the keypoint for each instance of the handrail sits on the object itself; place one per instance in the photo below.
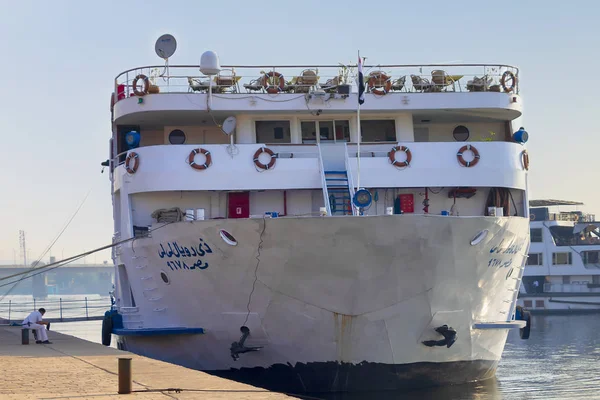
(355, 210)
(324, 183)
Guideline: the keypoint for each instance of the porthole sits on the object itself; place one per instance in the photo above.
(228, 238)
(177, 136)
(164, 277)
(461, 133)
(479, 237)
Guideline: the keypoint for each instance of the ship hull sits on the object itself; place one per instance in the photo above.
(335, 304)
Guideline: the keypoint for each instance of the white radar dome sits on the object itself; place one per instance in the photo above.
(209, 63)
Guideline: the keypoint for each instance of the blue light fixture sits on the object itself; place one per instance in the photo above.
(362, 198)
(132, 139)
(521, 136)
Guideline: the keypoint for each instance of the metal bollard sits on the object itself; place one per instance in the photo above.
(125, 380)
(25, 336)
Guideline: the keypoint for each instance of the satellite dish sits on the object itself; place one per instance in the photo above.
(229, 125)
(165, 46)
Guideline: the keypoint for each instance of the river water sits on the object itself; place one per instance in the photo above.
(561, 360)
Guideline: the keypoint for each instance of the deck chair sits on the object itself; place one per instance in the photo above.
(305, 81)
(331, 85)
(254, 85)
(196, 85)
(479, 84)
(421, 84)
(227, 81)
(398, 84)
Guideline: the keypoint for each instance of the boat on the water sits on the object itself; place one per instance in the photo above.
(269, 230)
(562, 275)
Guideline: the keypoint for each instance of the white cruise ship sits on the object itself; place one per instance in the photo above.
(270, 231)
(563, 268)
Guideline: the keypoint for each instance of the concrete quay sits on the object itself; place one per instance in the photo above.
(72, 368)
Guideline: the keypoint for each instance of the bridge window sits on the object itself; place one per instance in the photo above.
(535, 259)
(329, 131)
(273, 132)
(562, 258)
(379, 130)
(536, 235)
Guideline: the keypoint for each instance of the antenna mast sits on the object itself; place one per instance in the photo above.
(23, 246)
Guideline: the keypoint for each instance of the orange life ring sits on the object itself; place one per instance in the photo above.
(136, 162)
(192, 156)
(378, 77)
(461, 159)
(270, 153)
(146, 85)
(525, 160)
(392, 156)
(273, 89)
(508, 81)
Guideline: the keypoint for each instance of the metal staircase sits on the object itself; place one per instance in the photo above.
(339, 194)
(337, 187)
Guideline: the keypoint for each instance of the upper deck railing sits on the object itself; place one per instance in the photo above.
(276, 79)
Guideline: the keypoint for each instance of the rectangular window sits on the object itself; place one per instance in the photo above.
(539, 304)
(273, 132)
(329, 131)
(590, 257)
(596, 279)
(527, 303)
(536, 235)
(566, 279)
(378, 130)
(535, 259)
(562, 258)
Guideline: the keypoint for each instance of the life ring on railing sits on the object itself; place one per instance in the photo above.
(145, 85)
(270, 153)
(508, 81)
(273, 89)
(461, 159)
(192, 156)
(136, 162)
(525, 160)
(392, 156)
(377, 77)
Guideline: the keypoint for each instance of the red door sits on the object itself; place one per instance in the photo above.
(239, 205)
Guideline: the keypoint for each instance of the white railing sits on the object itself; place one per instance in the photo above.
(570, 288)
(58, 310)
(350, 177)
(296, 79)
(324, 183)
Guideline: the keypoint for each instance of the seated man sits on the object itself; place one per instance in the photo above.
(34, 322)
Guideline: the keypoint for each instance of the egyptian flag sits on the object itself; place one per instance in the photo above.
(361, 83)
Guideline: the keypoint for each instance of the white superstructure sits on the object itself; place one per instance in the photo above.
(249, 226)
(563, 267)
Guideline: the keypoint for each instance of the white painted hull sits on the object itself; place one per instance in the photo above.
(336, 300)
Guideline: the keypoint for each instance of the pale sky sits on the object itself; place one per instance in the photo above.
(60, 59)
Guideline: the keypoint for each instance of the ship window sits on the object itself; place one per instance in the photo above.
(536, 235)
(333, 131)
(379, 130)
(562, 258)
(273, 132)
(461, 133)
(527, 303)
(535, 259)
(164, 277)
(591, 257)
(539, 304)
(177, 136)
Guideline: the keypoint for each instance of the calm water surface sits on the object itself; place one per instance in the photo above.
(561, 360)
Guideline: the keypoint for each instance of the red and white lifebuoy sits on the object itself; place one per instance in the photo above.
(260, 164)
(273, 77)
(145, 85)
(508, 81)
(461, 159)
(375, 79)
(136, 162)
(392, 156)
(192, 157)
